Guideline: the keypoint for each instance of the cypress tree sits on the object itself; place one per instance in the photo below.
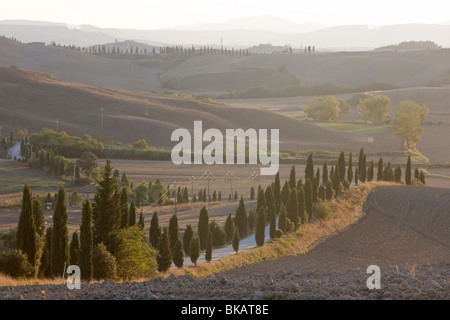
(270, 201)
(194, 250)
(260, 227)
(341, 166)
(229, 228)
(416, 174)
(86, 242)
(252, 193)
(240, 218)
(203, 227)
(282, 218)
(324, 173)
(141, 223)
(292, 178)
(235, 195)
(363, 169)
(124, 208)
(321, 193)
(388, 174)
(331, 173)
(356, 176)
(317, 177)
(154, 231)
(132, 215)
(285, 193)
(336, 180)
(178, 257)
(107, 213)
(422, 177)
(38, 216)
(209, 245)
(301, 206)
(299, 184)
(292, 209)
(173, 231)
(380, 170)
(251, 220)
(398, 174)
(59, 254)
(186, 195)
(26, 230)
(277, 191)
(315, 187)
(370, 172)
(187, 236)
(74, 249)
(308, 197)
(408, 171)
(236, 239)
(350, 168)
(261, 202)
(309, 170)
(329, 189)
(45, 269)
(219, 198)
(164, 258)
(273, 224)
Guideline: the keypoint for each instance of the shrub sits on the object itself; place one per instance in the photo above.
(15, 263)
(105, 265)
(323, 211)
(278, 233)
(289, 225)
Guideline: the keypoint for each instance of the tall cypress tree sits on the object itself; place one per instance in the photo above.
(350, 168)
(308, 197)
(132, 214)
(321, 193)
(416, 173)
(398, 174)
(324, 173)
(309, 170)
(272, 224)
(285, 193)
(356, 176)
(370, 172)
(209, 245)
(236, 240)
(292, 178)
(194, 250)
(124, 208)
(203, 227)
(260, 227)
(363, 169)
(154, 231)
(299, 184)
(173, 231)
(240, 218)
(277, 191)
(292, 209)
(44, 269)
(329, 189)
(301, 206)
(315, 187)
(74, 249)
(341, 166)
(87, 242)
(270, 200)
(178, 256)
(38, 216)
(187, 236)
(229, 228)
(422, 177)
(282, 218)
(380, 170)
(164, 258)
(336, 180)
(107, 213)
(141, 223)
(59, 254)
(408, 171)
(261, 202)
(26, 230)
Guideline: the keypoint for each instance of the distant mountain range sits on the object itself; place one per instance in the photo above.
(242, 32)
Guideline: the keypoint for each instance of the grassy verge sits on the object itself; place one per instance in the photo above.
(346, 210)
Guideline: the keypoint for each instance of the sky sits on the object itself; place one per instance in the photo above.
(151, 14)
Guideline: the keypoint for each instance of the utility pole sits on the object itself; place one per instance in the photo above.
(102, 109)
(191, 180)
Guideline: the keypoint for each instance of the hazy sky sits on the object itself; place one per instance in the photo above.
(151, 14)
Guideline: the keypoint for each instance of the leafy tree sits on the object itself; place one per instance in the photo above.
(187, 236)
(309, 169)
(209, 245)
(75, 199)
(341, 166)
(292, 209)
(229, 228)
(88, 162)
(178, 256)
(173, 231)
(15, 263)
(135, 258)
(408, 118)
(282, 218)
(326, 109)
(141, 144)
(105, 264)
(154, 231)
(124, 213)
(292, 178)
(86, 242)
(236, 239)
(260, 227)
(408, 171)
(132, 215)
(141, 193)
(203, 227)
(74, 249)
(324, 173)
(59, 254)
(380, 170)
(194, 250)
(26, 231)
(375, 108)
(164, 258)
(350, 168)
(240, 219)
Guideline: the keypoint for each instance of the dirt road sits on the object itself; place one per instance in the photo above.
(402, 225)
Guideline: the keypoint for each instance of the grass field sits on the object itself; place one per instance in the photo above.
(354, 128)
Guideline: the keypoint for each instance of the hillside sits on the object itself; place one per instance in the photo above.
(33, 100)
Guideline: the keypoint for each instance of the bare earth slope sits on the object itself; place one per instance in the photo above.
(403, 225)
(33, 101)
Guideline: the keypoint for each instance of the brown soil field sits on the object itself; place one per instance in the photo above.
(401, 225)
